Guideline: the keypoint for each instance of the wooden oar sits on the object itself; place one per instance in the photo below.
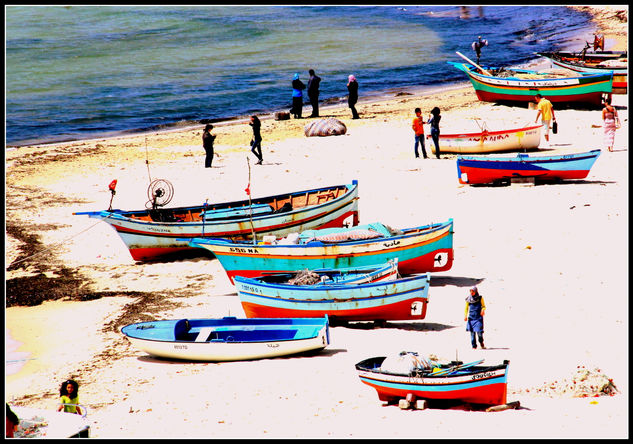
(457, 367)
(473, 63)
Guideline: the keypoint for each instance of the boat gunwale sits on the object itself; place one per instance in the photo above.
(418, 231)
(485, 133)
(126, 214)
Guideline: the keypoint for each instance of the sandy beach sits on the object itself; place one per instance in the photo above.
(550, 260)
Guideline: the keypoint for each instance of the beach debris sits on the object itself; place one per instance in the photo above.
(282, 115)
(325, 127)
(502, 407)
(584, 383)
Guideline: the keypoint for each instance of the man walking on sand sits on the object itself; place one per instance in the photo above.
(546, 111)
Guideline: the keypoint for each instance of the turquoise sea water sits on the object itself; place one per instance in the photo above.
(83, 71)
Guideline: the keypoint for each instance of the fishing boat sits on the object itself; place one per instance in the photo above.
(521, 85)
(479, 169)
(455, 381)
(585, 56)
(228, 338)
(485, 141)
(152, 234)
(594, 65)
(276, 295)
(421, 249)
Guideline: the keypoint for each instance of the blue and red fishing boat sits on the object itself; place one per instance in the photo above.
(455, 381)
(279, 295)
(482, 169)
(421, 249)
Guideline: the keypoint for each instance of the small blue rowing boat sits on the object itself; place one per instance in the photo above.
(228, 338)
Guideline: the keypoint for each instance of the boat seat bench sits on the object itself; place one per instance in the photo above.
(224, 213)
(213, 334)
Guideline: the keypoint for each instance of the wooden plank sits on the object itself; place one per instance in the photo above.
(502, 407)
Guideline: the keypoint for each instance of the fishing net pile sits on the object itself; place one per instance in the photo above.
(406, 363)
(305, 277)
(584, 383)
(325, 127)
(505, 73)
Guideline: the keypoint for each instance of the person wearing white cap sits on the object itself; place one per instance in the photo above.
(474, 317)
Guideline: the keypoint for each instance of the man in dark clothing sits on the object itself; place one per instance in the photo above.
(256, 142)
(313, 92)
(480, 43)
(207, 143)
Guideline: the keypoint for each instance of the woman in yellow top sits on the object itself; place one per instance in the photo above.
(69, 397)
(546, 111)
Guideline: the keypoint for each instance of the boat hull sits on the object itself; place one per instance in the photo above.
(401, 299)
(417, 250)
(474, 170)
(228, 339)
(478, 385)
(153, 239)
(489, 141)
(592, 66)
(588, 89)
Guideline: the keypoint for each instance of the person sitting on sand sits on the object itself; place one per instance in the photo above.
(69, 397)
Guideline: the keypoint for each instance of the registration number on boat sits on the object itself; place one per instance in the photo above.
(243, 250)
(483, 375)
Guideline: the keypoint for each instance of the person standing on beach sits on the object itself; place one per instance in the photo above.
(434, 121)
(352, 88)
(69, 397)
(477, 45)
(256, 142)
(313, 92)
(611, 123)
(418, 130)
(297, 96)
(207, 143)
(474, 317)
(546, 112)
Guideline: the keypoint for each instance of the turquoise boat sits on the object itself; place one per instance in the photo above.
(317, 293)
(420, 249)
(522, 85)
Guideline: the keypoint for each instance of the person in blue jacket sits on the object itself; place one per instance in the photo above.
(474, 317)
(297, 97)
